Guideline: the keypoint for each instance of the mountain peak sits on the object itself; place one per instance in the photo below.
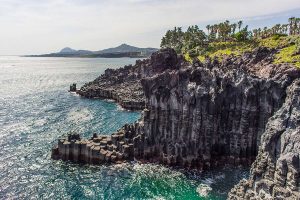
(67, 50)
(121, 48)
(124, 45)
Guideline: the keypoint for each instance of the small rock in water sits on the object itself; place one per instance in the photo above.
(203, 190)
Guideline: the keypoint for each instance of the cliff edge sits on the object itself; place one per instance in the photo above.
(205, 114)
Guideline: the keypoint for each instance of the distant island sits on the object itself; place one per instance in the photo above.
(124, 50)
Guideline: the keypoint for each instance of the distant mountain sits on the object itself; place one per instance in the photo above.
(67, 50)
(124, 50)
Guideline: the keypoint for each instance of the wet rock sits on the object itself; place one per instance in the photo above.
(98, 150)
(73, 87)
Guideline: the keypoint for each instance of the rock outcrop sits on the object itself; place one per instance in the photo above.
(211, 113)
(275, 173)
(99, 149)
(124, 84)
(73, 88)
(208, 114)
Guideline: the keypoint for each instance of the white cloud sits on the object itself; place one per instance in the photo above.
(41, 26)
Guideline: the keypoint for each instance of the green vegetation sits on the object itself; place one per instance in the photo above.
(219, 49)
(235, 39)
(287, 55)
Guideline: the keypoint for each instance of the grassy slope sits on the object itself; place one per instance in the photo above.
(285, 44)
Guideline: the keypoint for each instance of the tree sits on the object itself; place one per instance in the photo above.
(255, 33)
(240, 23)
(163, 42)
(297, 26)
(194, 41)
(292, 25)
(243, 35)
(233, 26)
(208, 28)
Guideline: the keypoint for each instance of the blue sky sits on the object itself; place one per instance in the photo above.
(43, 26)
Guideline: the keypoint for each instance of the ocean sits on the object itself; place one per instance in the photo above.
(36, 109)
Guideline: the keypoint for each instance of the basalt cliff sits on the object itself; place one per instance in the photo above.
(239, 110)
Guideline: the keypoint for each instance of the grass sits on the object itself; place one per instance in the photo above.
(287, 46)
(188, 58)
(201, 58)
(287, 55)
(275, 42)
(220, 49)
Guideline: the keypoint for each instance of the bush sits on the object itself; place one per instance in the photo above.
(193, 53)
(278, 36)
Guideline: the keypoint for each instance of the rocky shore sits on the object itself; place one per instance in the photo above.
(202, 115)
(99, 149)
(124, 84)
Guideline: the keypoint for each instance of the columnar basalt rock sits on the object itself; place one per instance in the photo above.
(211, 113)
(275, 173)
(99, 149)
(203, 115)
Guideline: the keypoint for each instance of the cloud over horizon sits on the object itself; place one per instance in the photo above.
(34, 27)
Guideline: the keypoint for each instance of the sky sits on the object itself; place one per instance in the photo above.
(44, 26)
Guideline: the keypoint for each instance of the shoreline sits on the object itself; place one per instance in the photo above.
(107, 94)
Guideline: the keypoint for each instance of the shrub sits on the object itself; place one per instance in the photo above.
(278, 35)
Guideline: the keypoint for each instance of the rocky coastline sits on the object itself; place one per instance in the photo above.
(124, 84)
(202, 115)
(99, 149)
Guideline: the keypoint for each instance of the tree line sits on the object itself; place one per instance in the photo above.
(196, 39)
(292, 28)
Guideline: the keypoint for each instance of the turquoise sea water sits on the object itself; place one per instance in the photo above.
(36, 109)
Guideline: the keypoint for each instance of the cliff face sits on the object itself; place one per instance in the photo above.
(205, 115)
(211, 113)
(275, 172)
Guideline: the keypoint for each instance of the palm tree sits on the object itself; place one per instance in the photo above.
(233, 28)
(240, 23)
(259, 32)
(216, 30)
(284, 28)
(208, 28)
(221, 31)
(292, 22)
(277, 28)
(265, 32)
(297, 26)
(255, 33)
